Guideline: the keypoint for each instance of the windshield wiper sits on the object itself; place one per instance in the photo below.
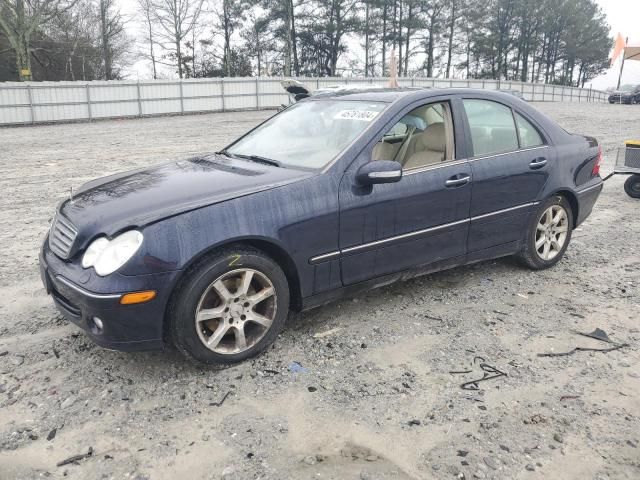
(226, 153)
(255, 158)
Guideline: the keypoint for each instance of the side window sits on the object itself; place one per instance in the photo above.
(421, 138)
(492, 127)
(398, 130)
(529, 136)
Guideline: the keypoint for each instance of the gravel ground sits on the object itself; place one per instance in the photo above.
(376, 399)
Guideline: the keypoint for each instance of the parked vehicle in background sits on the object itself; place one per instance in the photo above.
(340, 192)
(629, 94)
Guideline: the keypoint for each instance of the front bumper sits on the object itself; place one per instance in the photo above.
(124, 327)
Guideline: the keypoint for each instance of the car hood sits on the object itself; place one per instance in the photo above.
(140, 197)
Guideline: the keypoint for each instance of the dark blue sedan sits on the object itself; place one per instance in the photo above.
(338, 193)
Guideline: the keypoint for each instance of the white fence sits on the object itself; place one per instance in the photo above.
(45, 102)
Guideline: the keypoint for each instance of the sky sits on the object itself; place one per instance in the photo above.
(623, 16)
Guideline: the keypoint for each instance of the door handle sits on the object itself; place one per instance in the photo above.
(537, 163)
(457, 180)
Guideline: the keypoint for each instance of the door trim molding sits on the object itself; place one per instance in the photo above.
(504, 210)
(364, 246)
(355, 248)
(449, 163)
(403, 236)
(592, 187)
(500, 154)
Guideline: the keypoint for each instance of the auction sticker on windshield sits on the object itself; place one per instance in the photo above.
(364, 115)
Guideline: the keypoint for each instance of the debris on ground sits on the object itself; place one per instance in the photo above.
(569, 397)
(76, 458)
(219, 404)
(296, 367)
(327, 332)
(597, 334)
(489, 372)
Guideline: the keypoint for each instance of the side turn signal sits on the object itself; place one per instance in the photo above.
(137, 297)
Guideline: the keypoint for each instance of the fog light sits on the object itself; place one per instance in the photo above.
(98, 323)
(137, 297)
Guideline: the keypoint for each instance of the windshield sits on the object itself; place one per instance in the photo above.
(627, 88)
(308, 134)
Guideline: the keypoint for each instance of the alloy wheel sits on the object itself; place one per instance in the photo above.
(236, 311)
(551, 232)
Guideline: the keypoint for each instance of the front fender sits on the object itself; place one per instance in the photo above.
(300, 219)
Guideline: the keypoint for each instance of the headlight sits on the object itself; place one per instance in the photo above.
(107, 256)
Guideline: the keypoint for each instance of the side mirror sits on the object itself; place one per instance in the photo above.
(379, 171)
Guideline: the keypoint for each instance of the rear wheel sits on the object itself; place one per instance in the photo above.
(632, 186)
(549, 234)
(230, 307)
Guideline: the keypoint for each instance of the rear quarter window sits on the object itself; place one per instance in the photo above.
(529, 136)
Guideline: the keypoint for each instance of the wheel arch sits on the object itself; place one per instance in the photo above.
(269, 247)
(573, 201)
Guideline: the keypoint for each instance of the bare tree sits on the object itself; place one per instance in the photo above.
(175, 20)
(111, 32)
(19, 19)
(73, 32)
(258, 39)
(229, 18)
(146, 9)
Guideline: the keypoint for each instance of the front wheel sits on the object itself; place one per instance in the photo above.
(230, 307)
(548, 234)
(632, 186)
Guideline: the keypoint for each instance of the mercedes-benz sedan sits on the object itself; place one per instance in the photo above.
(339, 192)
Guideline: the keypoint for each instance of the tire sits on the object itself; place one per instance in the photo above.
(540, 258)
(632, 186)
(213, 291)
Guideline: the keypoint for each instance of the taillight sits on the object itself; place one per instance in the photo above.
(596, 167)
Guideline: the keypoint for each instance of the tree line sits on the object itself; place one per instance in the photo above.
(553, 41)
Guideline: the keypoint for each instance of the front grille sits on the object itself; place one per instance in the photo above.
(61, 237)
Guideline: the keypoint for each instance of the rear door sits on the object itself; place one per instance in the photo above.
(510, 164)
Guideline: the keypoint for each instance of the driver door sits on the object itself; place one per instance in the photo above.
(422, 219)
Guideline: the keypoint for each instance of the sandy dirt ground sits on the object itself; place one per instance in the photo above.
(376, 399)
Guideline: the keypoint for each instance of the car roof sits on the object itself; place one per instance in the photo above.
(402, 97)
(379, 94)
(388, 95)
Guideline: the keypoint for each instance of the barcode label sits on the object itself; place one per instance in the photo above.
(364, 115)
